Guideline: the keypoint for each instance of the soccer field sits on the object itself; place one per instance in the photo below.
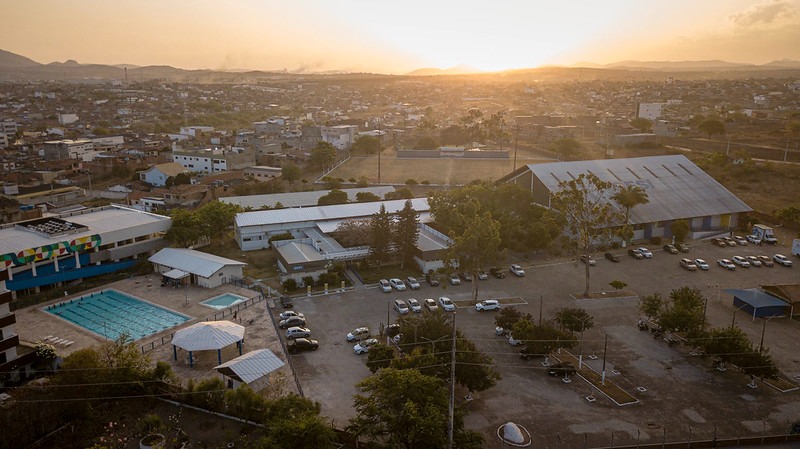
(435, 171)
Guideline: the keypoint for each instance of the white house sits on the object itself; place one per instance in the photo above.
(157, 175)
(196, 267)
(340, 136)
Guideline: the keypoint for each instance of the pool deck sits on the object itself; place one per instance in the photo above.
(34, 325)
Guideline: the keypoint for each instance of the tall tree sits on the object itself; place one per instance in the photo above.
(291, 172)
(574, 319)
(684, 312)
(366, 145)
(629, 196)
(566, 148)
(478, 245)
(711, 127)
(381, 232)
(406, 233)
(333, 197)
(322, 155)
(589, 216)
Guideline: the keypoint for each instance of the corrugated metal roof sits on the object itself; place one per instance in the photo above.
(299, 199)
(252, 366)
(325, 213)
(98, 221)
(208, 335)
(191, 261)
(756, 298)
(675, 186)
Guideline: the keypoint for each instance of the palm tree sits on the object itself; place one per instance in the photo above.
(630, 196)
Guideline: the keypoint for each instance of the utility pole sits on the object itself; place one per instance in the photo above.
(452, 385)
(380, 150)
(516, 140)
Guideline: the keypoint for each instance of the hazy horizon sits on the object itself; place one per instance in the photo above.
(360, 36)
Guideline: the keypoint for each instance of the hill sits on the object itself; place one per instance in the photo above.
(13, 60)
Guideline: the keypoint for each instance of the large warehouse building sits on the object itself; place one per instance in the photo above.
(677, 190)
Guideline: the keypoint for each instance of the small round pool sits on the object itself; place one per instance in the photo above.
(223, 301)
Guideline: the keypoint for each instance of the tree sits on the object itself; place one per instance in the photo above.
(216, 217)
(354, 232)
(322, 155)
(629, 196)
(642, 124)
(403, 408)
(426, 143)
(617, 285)
(472, 125)
(567, 148)
(651, 305)
(406, 233)
(454, 135)
(365, 144)
(333, 197)
(478, 245)
(590, 219)
(789, 214)
(680, 229)
(711, 127)
(574, 319)
(366, 197)
(543, 339)
(400, 194)
(291, 172)
(379, 357)
(684, 312)
(292, 421)
(508, 316)
(381, 232)
(185, 229)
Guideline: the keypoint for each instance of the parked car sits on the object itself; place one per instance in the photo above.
(465, 275)
(430, 304)
(741, 261)
(727, 264)
(358, 333)
(289, 313)
(565, 369)
(513, 341)
(393, 330)
(297, 332)
(454, 279)
(766, 261)
(729, 241)
(754, 261)
(670, 248)
(635, 253)
(688, 264)
(613, 257)
(412, 282)
(401, 306)
(302, 344)
(645, 252)
(413, 304)
(497, 272)
(500, 332)
(783, 260)
(682, 247)
(753, 239)
(487, 304)
(446, 304)
(385, 286)
(432, 280)
(482, 276)
(286, 302)
(719, 242)
(588, 260)
(292, 321)
(397, 284)
(363, 346)
(701, 264)
(517, 270)
(528, 353)
(741, 241)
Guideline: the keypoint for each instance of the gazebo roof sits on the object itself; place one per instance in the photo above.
(208, 335)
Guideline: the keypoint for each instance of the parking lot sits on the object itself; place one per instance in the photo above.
(682, 393)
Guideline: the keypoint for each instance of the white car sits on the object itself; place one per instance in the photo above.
(412, 282)
(297, 332)
(385, 286)
(754, 261)
(358, 333)
(688, 264)
(741, 241)
(727, 264)
(401, 306)
(701, 264)
(430, 304)
(397, 284)
(482, 276)
(517, 270)
(512, 341)
(487, 304)
(363, 347)
(289, 313)
(645, 252)
(414, 305)
(454, 279)
(741, 261)
(753, 239)
(783, 260)
(446, 304)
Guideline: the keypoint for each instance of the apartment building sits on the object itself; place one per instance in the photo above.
(214, 160)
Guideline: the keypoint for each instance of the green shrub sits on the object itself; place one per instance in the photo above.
(289, 285)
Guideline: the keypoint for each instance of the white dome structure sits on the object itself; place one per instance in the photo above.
(514, 435)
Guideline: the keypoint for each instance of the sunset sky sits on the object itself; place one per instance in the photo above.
(398, 36)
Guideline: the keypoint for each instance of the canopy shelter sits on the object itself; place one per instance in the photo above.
(758, 303)
(208, 336)
(175, 277)
(251, 369)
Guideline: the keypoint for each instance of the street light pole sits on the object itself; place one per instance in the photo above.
(763, 330)
(452, 385)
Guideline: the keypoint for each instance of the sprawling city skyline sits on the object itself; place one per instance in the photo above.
(387, 37)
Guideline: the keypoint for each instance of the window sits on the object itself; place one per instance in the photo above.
(3, 358)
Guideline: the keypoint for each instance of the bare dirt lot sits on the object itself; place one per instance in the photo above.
(681, 394)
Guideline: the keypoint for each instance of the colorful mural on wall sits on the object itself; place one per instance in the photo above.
(49, 251)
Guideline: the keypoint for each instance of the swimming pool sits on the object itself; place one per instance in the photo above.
(111, 313)
(223, 301)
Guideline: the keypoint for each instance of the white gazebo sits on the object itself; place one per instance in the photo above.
(251, 369)
(208, 336)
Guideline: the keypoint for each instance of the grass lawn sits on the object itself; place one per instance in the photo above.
(261, 264)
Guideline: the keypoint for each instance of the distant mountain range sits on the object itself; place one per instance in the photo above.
(14, 67)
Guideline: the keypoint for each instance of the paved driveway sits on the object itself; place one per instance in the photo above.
(680, 391)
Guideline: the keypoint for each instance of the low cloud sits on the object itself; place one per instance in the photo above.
(764, 13)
